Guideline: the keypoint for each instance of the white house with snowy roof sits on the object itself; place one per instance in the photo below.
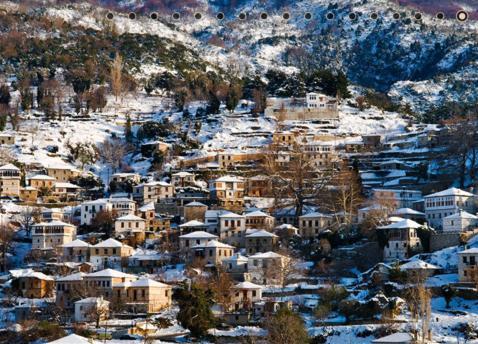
(245, 294)
(259, 219)
(76, 251)
(459, 222)
(189, 240)
(212, 252)
(266, 267)
(52, 235)
(445, 203)
(129, 223)
(310, 225)
(468, 265)
(232, 228)
(9, 180)
(402, 238)
(260, 240)
(110, 253)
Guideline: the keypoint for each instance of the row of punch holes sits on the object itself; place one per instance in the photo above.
(460, 16)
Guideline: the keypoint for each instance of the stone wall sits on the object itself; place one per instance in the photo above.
(440, 240)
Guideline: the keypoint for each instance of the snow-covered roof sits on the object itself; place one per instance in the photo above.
(130, 217)
(236, 257)
(110, 273)
(195, 204)
(66, 185)
(450, 192)
(269, 254)
(73, 277)
(473, 250)
(9, 167)
(89, 300)
(110, 243)
(30, 273)
(143, 283)
(418, 264)
(76, 243)
(407, 211)
(402, 224)
(74, 339)
(230, 179)
(313, 215)
(55, 223)
(41, 177)
(247, 285)
(182, 174)
(231, 214)
(147, 207)
(399, 337)
(193, 223)
(213, 243)
(462, 215)
(257, 213)
(198, 235)
(261, 234)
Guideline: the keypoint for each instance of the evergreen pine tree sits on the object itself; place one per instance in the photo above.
(128, 132)
(5, 96)
(195, 309)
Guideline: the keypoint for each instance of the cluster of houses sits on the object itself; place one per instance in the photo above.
(96, 256)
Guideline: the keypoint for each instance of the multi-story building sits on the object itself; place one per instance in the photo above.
(211, 252)
(69, 288)
(258, 186)
(41, 181)
(310, 225)
(267, 267)
(468, 265)
(153, 221)
(181, 179)
(189, 240)
(445, 203)
(110, 253)
(403, 240)
(244, 295)
(143, 295)
(76, 251)
(32, 284)
(100, 283)
(260, 241)
(52, 235)
(397, 198)
(153, 192)
(9, 180)
(62, 173)
(232, 229)
(228, 191)
(459, 222)
(259, 220)
(122, 206)
(129, 224)
(321, 154)
(90, 209)
(194, 211)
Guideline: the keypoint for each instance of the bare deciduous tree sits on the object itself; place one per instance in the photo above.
(418, 300)
(6, 243)
(27, 218)
(112, 152)
(297, 181)
(346, 194)
(117, 76)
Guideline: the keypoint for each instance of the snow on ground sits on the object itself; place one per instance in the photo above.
(239, 331)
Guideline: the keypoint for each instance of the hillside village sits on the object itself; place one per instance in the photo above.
(196, 205)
